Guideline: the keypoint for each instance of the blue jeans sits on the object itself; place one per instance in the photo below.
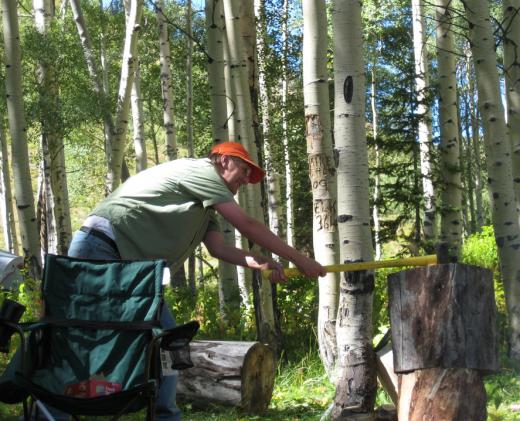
(87, 246)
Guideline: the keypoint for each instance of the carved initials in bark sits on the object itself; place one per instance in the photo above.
(324, 212)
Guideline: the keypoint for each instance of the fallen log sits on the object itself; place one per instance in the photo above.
(239, 374)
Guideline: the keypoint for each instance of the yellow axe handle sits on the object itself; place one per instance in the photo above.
(351, 267)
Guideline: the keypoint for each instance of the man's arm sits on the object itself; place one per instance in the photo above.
(214, 242)
(261, 235)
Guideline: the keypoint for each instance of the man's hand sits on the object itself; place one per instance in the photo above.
(277, 274)
(309, 267)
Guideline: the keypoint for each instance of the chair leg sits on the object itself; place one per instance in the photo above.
(26, 413)
(150, 415)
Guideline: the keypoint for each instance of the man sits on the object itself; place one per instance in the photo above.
(165, 211)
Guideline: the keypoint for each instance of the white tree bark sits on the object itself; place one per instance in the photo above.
(99, 84)
(216, 78)
(189, 118)
(166, 83)
(58, 238)
(227, 283)
(356, 386)
(230, 94)
(322, 170)
(377, 176)
(6, 205)
(238, 71)
(272, 178)
(498, 158)
(117, 151)
(424, 114)
(141, 158)
(189, 80)
(511, 25)
(289, 206)
(451, 215)
(475, 141)
(18, 129)
(244, 277)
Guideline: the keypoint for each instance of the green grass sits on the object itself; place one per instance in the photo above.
(302, 392)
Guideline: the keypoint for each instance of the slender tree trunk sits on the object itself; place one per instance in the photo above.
(189, 120)
(18, 129)
(356, 386)
(289, 206)
(166, 82)
(377, 177)
(498, 154)
(511, 27)
(424, 126)
(272, 179)
(229, 293)
(216, 77)
(469, 176)
(7, 209)
(141, 158)
(117, 151)
(322, 171)
(451, 223)
(136, 103)
(244, 276)
(268, 331)
(475, 141)
(189, 81)
(99, 84)
(45, 204)
(52, 137)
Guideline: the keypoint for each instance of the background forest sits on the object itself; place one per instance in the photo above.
(385, 130)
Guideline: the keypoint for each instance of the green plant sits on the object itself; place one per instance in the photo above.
(480, 250)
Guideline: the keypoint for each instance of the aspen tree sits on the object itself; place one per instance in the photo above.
(141, 159)
(266, 323)
(228, 291)
(18, 129)
(189, 121)
(272, 178)
(55, 174)
(377, 176)
(6, 205)
(117, 150)
(498, 159)
(424, 125)
(356, 384)
(136, 103)
(244, 276)
(289, 206)
(511, 27)
(322, 171)
(451, 215)
(99, 85)
(475, 139)
(166, 82)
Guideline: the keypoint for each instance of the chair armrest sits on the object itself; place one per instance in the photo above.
(177, 341)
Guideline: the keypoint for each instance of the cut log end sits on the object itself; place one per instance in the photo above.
(239, 374)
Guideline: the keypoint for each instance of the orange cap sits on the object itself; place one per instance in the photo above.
(236, 149)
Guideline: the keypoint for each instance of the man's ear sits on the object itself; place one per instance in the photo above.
(224, 160)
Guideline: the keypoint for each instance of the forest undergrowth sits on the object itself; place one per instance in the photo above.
(302, 390)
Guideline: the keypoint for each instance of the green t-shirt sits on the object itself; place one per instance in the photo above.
(165, 211)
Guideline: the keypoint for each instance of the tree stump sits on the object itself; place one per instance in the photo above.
(239, 374)
(444, 339)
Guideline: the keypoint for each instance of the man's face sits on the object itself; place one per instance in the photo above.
(235, 172)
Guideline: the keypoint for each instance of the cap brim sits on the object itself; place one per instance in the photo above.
(257, 173)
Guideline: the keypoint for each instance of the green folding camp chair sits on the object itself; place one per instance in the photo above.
(97, 349)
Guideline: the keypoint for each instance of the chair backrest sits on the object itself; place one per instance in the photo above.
(96, 310)
(101, 290)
